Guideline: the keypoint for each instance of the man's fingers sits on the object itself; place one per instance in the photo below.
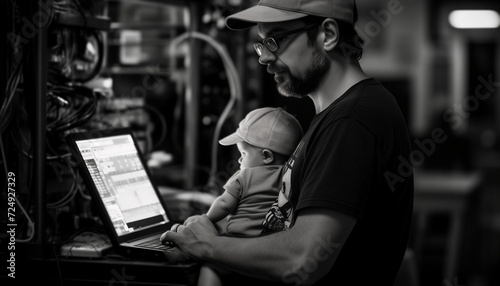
(174, 227)
(195, 218)
(191, 219)
(169, 236)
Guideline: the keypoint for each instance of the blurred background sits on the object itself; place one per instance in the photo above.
(173, 72)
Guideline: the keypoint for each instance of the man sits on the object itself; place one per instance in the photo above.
(344, 212)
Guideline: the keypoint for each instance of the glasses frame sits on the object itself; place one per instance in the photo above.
(273, 40)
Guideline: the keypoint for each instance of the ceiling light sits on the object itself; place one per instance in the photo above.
(474, 19)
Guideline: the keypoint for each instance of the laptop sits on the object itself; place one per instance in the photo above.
(120, 185)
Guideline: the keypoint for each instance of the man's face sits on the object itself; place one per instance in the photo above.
(298, 65)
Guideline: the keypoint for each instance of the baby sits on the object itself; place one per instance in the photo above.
(266, 138)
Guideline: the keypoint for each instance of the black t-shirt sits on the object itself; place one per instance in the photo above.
(354, 159)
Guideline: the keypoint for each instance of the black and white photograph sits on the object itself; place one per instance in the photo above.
(250, 142)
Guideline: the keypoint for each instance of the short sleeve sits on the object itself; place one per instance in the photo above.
(234, 185)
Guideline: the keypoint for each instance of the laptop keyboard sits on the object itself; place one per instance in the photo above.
(154, 243)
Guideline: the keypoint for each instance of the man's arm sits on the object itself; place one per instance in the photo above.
(304, 253)
(223, 205)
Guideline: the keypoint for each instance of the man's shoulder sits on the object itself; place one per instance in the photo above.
(366, 100)
(368, 91)
(345, 106)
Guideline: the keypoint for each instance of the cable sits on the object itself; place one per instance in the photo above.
(80, 9)
(80, 190)
(9, 94)
(234, 87)
(59, 271)
(29, 168)
(162, 121)
(97, 232)
(18, 202)
(9, 102)
(69, 106)
(20, 144)
(70, 58)
(70, 195)
(31, 225)
(3, 158)
(66, 6)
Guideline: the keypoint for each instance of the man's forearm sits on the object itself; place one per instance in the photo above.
(302, 254)
(268, 257)
(315, 239)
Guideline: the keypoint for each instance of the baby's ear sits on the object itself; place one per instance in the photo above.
(268, 156)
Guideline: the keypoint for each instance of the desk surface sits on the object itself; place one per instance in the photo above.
(78, 271)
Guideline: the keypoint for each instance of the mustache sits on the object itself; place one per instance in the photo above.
(273, 69)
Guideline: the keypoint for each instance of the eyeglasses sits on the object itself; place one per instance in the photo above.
(271, 43)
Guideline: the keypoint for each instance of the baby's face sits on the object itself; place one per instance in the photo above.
(251, 156)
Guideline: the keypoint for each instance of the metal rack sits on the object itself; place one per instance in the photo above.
(38, 76)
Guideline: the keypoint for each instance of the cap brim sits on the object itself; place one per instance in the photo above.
(260, 14)
(230, 140)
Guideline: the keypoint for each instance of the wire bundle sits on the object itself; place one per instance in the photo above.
(69, 106)
(68, 197)
(6, 111)
(68, 7)
(76, 55)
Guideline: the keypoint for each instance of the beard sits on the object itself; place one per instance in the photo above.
(300, 87)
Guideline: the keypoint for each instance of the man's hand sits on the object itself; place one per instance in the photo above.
(193, 238)
(174, 255)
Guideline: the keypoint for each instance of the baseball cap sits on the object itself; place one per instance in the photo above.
(270, 128)
(270, 11)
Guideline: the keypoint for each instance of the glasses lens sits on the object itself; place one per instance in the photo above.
(258, 48)
(271, 44)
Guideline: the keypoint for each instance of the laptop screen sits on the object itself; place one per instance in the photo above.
(124, 187)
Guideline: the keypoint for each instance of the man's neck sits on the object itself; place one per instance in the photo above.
(335, 83)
